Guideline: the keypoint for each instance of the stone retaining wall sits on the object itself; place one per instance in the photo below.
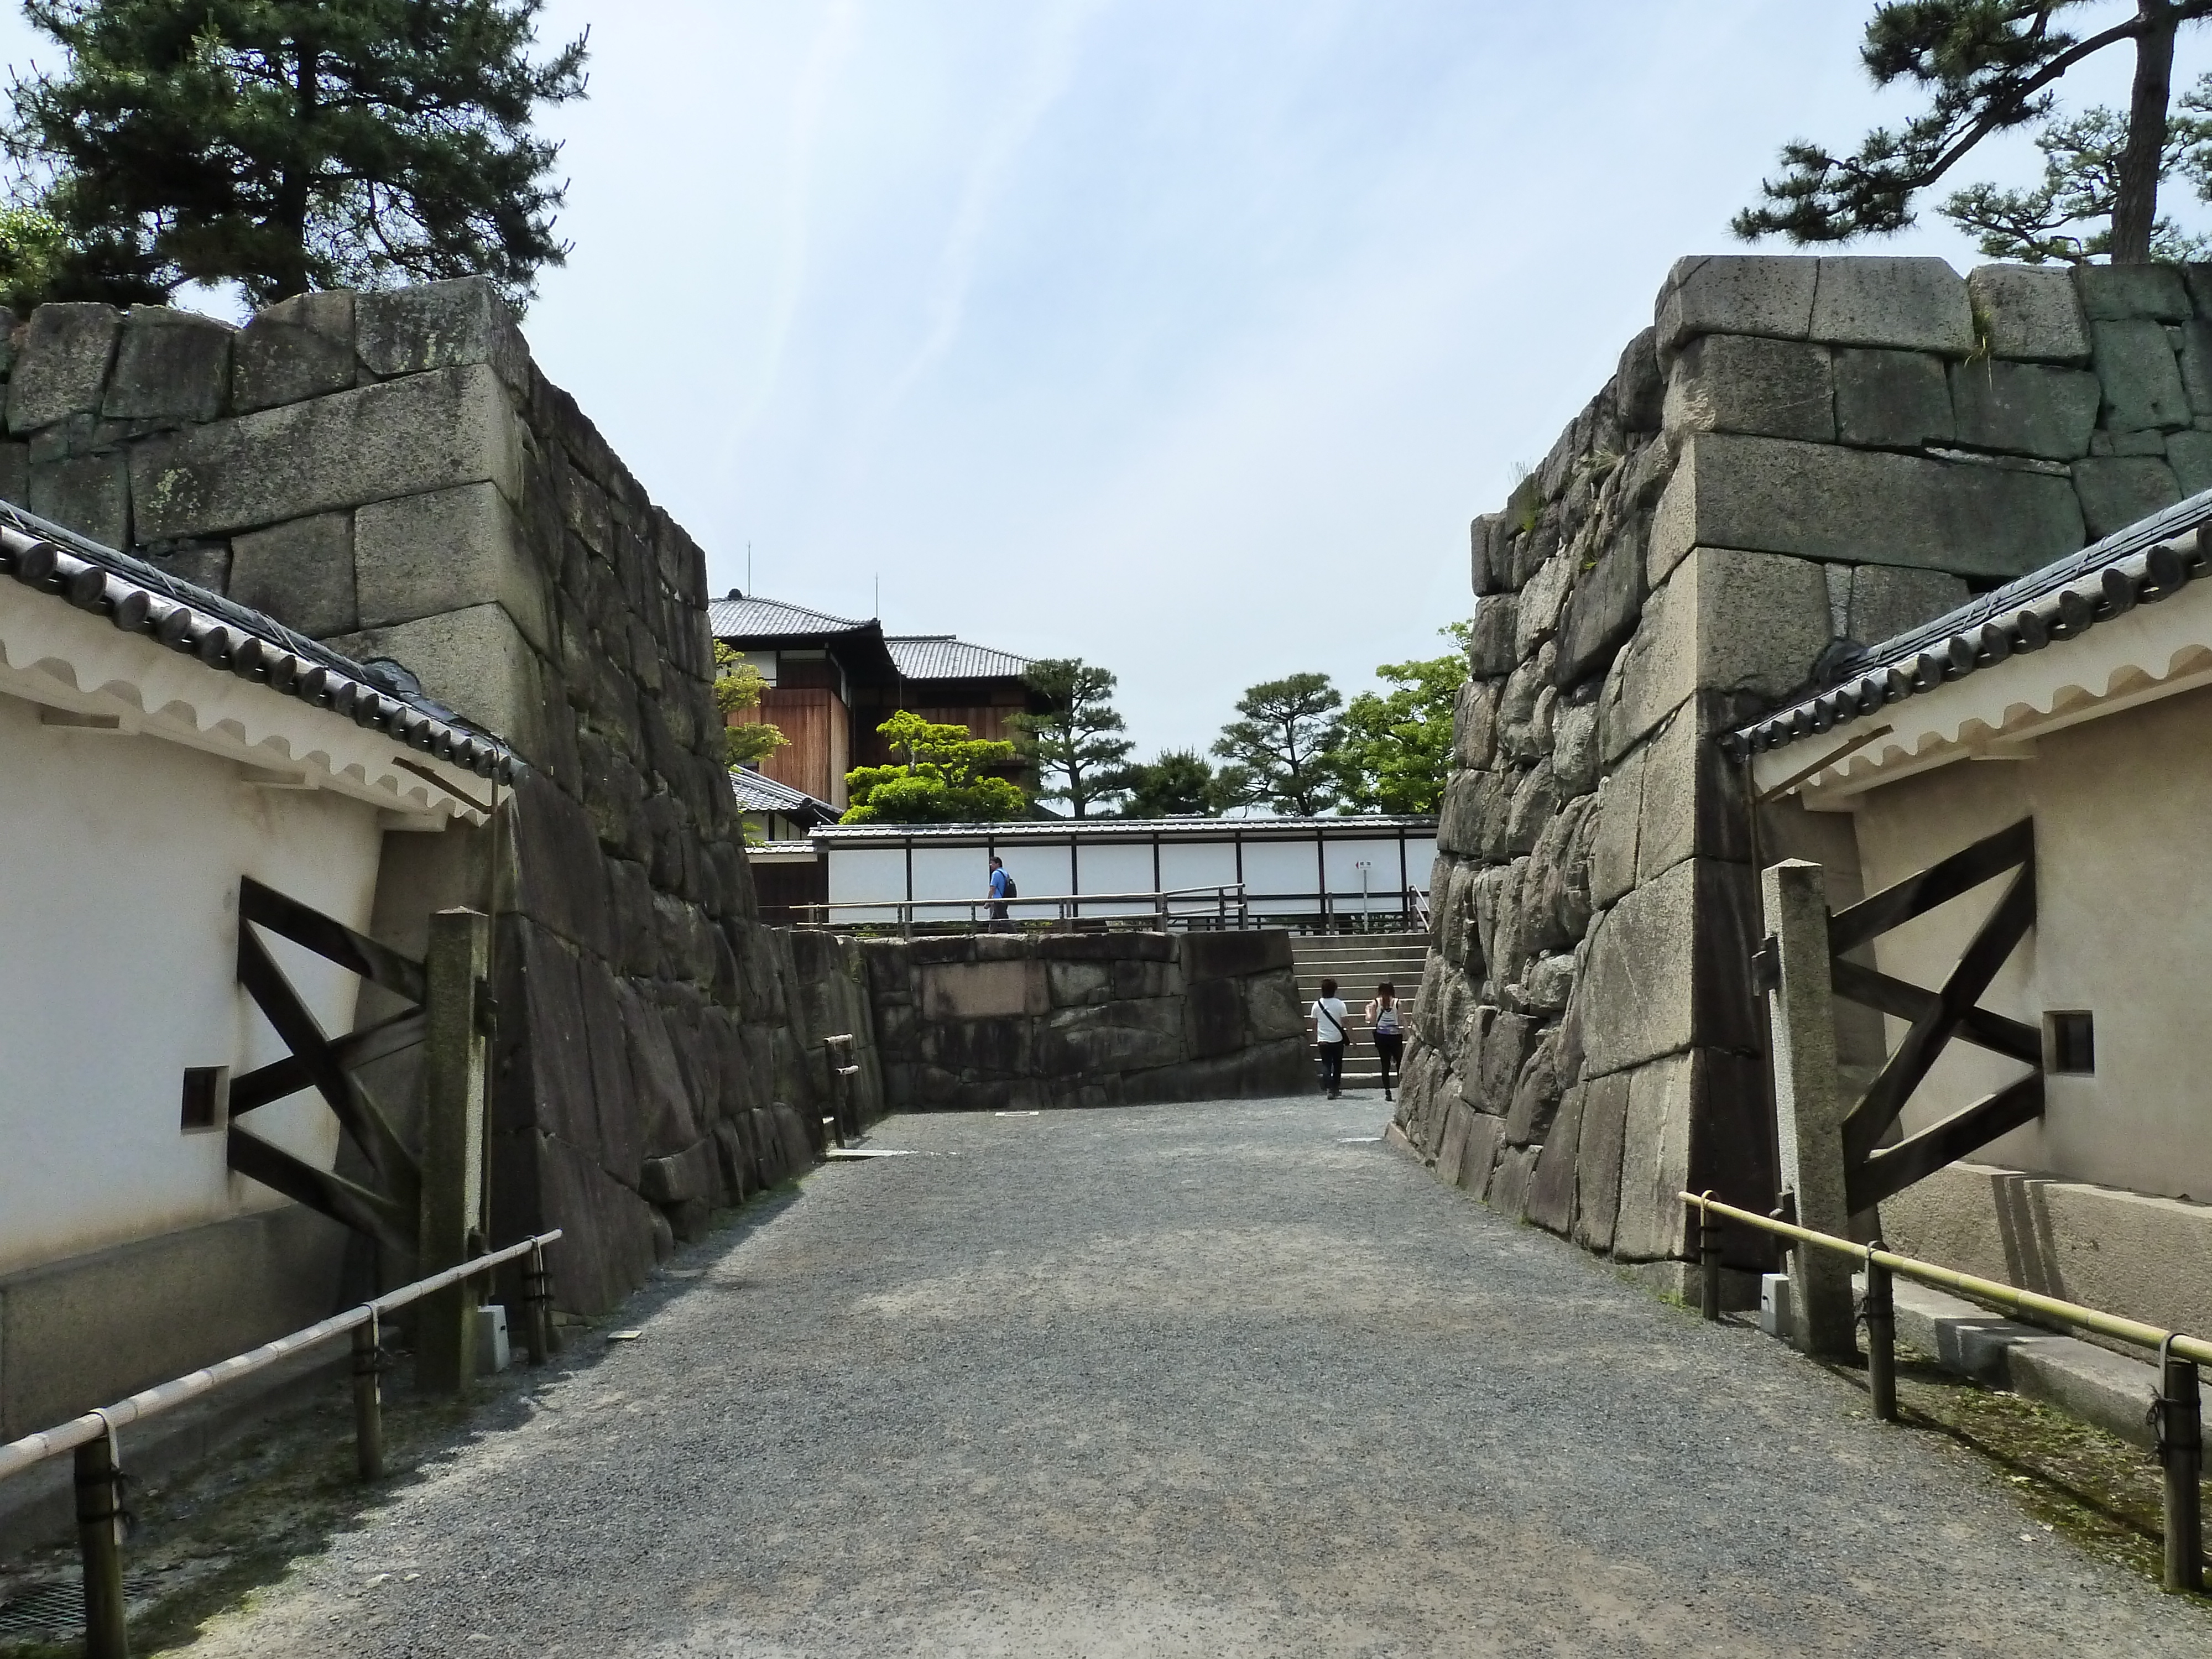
(1023, 1020)
(392, 474)
(1802, 451)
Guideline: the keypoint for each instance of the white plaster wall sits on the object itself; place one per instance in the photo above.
(2122, 809)
(119, 893)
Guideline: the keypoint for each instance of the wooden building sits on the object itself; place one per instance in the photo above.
(832, 681)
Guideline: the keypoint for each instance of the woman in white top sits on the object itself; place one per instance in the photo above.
(1329, 1017)
(1383, 1019)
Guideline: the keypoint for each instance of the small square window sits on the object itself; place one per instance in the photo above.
(2069, 1042)
(207, 1099)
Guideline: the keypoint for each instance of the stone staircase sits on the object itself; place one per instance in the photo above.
(1358, 963)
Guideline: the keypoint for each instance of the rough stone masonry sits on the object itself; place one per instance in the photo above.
(1802, 451)
(392, 473)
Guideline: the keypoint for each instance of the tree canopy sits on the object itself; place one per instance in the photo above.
(1396, 753)
(946, 779)
(1178, 784)
(1075, 744)
(738, 687)
(1283, 753)
(1986, 67)
(289, 145)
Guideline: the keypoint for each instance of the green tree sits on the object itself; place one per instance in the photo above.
(292, 144)
(1075, 744)
(1283, 753)
(1179, 784)
(946, 778)
(1987, 66)
(1397, 744)
(738, 687)
(2068, 215)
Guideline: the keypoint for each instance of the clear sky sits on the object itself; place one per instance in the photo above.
(1183, 336)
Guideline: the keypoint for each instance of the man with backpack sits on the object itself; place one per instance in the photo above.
(1329, 1036)
(1002, 889)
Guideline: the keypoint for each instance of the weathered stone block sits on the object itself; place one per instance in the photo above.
(1475, 724)
(1536, 1096)
(300, 573)
(444, 549)
(1917, 304)
(1693, 800)
(1574, 749)
(173, 366)
(679, 1177)
(1231, 954)
(983, 990)
(89, 494)
(1213, 1017)
(1655, 1167)
(1479, 1158)
(2115, 493)
(435, 325)
(427, 432)
(2113, 292)
(1601, 612)
(1597, 1160)
(2025, 409)
(1735, 294)
(1889, 599)
(474, 661)
(1489, 645)
(1272, 1010)
(15, 470)
(62, 368)
(1669, 966)
(1551, 1198)
(1892, 399)
(1458, 1118)
(1536, 612)
(2030, 311)
(1860, 506)
(204, 564)
(2142, 382)
(297, 348)
(1639, 389)
(2190, 455)
(1506, 1044)
(1509, 1182)
(1535, 800)
(1746, 383)
(1612, 845)
(1485, 576)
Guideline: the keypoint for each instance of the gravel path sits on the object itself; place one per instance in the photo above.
(1206, 1381)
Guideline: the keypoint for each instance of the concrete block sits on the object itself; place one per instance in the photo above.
(2142, 382)
(1735, 293)
(1774, 1306)
(2025, 409)
(297, 348)
(2030, 311)
(89, 494)
(2190, 455)
(2116, 492)
(1887, 600)
(1747, 383)
(433, 325)
(62, 367)
(446, 549)
(427, 432)
(2112, 292)
(300, 573)
(172, 366)
(1916, 304)
(1857, 506)
(474, 661)
(1892, 399)
(1669, 965)
(2088, 1382)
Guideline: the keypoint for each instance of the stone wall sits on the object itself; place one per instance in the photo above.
(1801, 451)
(1023, 1020)
(392, 473)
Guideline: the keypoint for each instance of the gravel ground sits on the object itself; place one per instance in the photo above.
(1212, 1380)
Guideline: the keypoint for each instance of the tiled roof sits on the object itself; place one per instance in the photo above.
(230, 637)
(739, 617)
(757, 793)
(2149, 560)
(941, 657)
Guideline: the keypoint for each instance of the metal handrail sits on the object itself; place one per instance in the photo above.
(1069, 905)
(2176, 1408)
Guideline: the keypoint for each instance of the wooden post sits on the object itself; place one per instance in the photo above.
(368, 1399)
(2181, 1449)
(1809, 1110)
(99, 1539)
(453, 1145)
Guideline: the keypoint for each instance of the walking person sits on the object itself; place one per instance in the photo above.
(1329, 1016)
(1388, 1030)
(1002, 889)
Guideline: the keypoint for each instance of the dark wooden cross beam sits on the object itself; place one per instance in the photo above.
(1874, 1172)
(325, 1064)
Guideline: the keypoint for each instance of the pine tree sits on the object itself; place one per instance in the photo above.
(1075, 744)
(1179, 784)
(292, 144)
(1988, 66)
(946, 777)
(1284, 753)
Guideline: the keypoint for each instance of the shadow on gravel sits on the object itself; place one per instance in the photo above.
(207, 1540)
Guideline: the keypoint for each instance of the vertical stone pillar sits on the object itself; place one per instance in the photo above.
(453, 1147)
(1808, 1107)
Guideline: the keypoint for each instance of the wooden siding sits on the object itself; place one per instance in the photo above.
(819, 752)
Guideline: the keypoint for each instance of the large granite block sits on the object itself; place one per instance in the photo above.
(173, 366)
(89, 494)
(1748, 383)
(2025, 409)
(1892, 399)
(1668, 967)
(1914, 304)
(62, 367)
(1602, 611)
(426, 432)
(296, 348)
(2190, 455)
(1735, 294)
(2112, 292)
(2142, 382)
(1889, 599)
(435, 325)
(1639, 389)
(300, 573)
(1693, 798)
(2117, 491)
(1663, 1098)
(1551, 1200)
(446, 549)
(1597, 1161)
(2030, 311)
(1490, 646)
(1861, 506)
(474, 661)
